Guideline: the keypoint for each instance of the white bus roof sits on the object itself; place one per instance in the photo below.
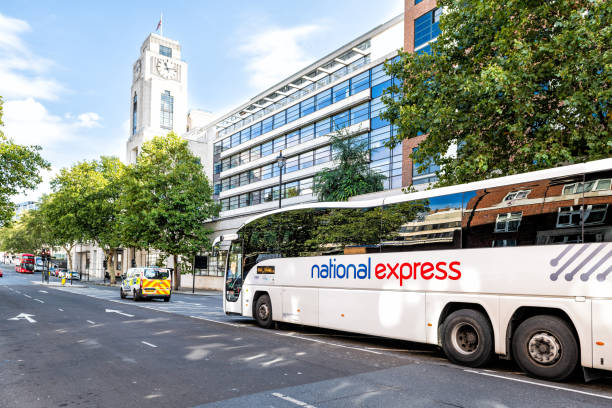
(556, 172)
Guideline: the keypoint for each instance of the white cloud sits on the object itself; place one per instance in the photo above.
(21, 72)
(89, 120)
(276, 53)
(28, 122)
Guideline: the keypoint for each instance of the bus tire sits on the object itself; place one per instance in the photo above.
(545, 347)
(467, 338)
(263, 311)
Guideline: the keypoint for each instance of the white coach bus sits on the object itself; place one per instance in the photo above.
(518, 266)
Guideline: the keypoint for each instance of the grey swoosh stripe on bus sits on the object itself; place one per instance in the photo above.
(570, 275)
(555, 261)
(555, 275)
(602, 276)
(585, 276)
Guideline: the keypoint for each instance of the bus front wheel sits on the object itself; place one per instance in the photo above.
(263, 311)
(545, 347)
(467, 338)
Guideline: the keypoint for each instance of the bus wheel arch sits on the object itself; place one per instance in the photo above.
(466, 335)
(262, 309)
(453, 307)
(555, 331)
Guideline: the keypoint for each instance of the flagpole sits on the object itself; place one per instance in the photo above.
(161, 25)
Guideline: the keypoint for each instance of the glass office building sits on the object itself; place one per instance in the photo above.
(297, 116)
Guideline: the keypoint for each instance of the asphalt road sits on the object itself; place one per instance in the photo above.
(84, 347)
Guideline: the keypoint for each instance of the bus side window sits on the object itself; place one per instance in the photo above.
(428, 224)
(539, 212)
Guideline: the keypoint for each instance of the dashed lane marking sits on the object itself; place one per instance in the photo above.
(61, 310)
(149, 344)
(43, 291)
(28, 296)
(292, 335)
(90, 322)
(38, 300)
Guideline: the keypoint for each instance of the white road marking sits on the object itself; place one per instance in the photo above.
(269, 363)
(328, 343)
(217, 321)
(28, 296)
(149, 344)
(554, 387)
(43, 291)
(119, 312)
(292, 400)
(90, 322)
(61, 310)
(24, 316)
(254, 357)
(38, 300)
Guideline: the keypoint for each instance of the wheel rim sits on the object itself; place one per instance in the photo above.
(544, 348)
(263, 311)
(465, 339)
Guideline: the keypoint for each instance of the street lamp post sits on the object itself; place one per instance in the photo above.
(280, 161)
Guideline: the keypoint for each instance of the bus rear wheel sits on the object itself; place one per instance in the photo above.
(263, 311)
(467, 338)
(545, 347)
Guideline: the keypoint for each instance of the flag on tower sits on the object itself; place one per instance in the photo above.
(159, 25)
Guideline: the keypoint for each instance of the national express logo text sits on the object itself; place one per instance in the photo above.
(387, 271)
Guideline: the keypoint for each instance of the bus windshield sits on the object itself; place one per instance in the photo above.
(233, 275)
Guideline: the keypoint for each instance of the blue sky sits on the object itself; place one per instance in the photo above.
(66, 66)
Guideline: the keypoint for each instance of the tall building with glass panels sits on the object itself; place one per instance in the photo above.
(421, 27)
(342, 90)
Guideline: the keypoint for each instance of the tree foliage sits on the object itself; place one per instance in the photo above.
(352, 175)
(28, 234)
(19, 171)
(167, 200)
(513, 86)
(86, 200)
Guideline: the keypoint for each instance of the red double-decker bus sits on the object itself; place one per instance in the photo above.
(26, 264)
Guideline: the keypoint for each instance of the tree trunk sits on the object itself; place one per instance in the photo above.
(111, 264)
(177, 274)
(69, 255)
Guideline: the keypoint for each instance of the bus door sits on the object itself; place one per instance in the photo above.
(232, 293)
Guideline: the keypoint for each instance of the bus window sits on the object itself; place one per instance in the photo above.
(427, 224)
(346, 231)
(597, 203)
(532, 213)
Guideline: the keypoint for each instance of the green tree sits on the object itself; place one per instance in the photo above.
(352, 176)
(167, 200)
(513, 86)
(59, 221)
(28, 234)
(19, 171)
(89, 198)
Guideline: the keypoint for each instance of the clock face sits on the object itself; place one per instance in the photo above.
(167, 69)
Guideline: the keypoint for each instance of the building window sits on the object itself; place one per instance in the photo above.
(570, 216)
(426, 27)
(165, 51)
(508, 222)
(134, 114)
(517, 195)
(167, 109)
(504, 242)
(593, 185)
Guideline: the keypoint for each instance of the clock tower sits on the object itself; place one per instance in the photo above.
(158, 99)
